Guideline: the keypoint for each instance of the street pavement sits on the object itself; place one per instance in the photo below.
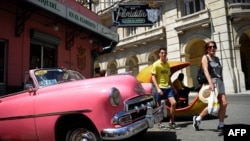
(237, 113)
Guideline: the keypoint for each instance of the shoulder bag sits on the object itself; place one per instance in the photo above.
(201, 76)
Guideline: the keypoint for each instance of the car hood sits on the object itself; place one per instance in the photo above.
(128, 86)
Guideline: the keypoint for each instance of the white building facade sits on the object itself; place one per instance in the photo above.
(184, 26)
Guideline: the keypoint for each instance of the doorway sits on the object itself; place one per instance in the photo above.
(2, 66)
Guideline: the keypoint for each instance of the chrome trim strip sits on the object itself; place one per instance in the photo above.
(45, 114)
(153, 116)
(124, 132)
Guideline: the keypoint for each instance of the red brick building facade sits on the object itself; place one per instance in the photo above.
(48, 33)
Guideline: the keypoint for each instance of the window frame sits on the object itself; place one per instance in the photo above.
(193, 6)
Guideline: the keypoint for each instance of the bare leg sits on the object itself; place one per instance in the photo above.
(172, 108)
(223, 105)
(204, 112)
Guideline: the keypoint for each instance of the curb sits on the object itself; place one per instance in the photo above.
(245, 92)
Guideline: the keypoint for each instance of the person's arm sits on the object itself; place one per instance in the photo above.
(171, 84)
(204, 63)
(182, 85)
(156, 84)
(178, 84)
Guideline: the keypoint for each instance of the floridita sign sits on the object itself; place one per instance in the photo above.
(134, 15)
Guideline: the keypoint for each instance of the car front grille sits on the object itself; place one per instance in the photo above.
(137, 107)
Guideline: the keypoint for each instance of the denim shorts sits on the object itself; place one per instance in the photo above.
(167, 92)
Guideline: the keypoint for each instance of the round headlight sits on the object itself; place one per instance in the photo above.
(115, 97)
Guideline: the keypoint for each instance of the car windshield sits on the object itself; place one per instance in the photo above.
(47, 77)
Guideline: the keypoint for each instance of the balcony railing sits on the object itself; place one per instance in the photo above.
(142, 38)
(239, 10)
(198, 19)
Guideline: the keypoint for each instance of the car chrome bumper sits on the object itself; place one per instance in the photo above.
(153, 116)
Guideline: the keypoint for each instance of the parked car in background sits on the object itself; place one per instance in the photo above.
(59, 104)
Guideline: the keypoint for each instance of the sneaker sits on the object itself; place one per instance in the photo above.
(162, 126)
(196, 123)
(221, 129)
(174, 126)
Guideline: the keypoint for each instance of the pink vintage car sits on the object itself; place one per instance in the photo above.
(60, 104)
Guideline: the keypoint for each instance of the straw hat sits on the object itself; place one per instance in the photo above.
(204, 93)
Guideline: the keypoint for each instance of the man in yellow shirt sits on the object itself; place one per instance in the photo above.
(164, 91)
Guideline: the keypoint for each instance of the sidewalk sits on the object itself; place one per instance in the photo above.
(245, 92)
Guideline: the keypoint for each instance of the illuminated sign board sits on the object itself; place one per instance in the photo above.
(134, 15)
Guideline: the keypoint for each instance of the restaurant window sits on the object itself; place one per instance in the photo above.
(42, 56)
(43, 50)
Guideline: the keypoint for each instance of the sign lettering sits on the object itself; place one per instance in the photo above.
(135, 15)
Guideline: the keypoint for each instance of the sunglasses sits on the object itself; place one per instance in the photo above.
(212, 47)
(163, 52)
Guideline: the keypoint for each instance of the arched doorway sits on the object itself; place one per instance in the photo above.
(132, 65)
(245, 58)
(152, 57)
(112, 67)
(194, 50)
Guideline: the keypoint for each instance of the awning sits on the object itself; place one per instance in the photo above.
(110, 38)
